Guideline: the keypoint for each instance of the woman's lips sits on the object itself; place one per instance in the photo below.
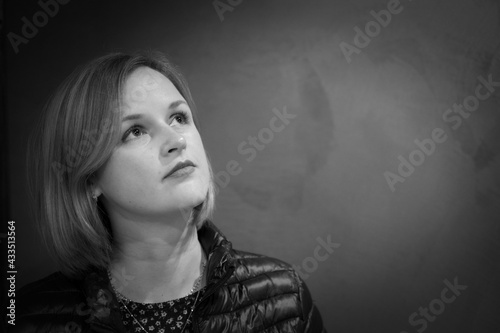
(181, 169)
(182, 172)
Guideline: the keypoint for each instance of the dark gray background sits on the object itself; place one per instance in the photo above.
(322, 176)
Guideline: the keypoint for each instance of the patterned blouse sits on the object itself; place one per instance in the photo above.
(164, 317)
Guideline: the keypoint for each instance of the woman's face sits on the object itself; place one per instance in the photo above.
(157, 133)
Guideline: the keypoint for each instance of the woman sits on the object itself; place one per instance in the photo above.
(123, 190)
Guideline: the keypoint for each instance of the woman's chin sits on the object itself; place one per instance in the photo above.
(190, 199)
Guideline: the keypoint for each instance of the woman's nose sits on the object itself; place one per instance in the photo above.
(174, 142)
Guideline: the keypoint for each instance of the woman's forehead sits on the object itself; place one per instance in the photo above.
(144, 79)
(144, 82)
(146, 87)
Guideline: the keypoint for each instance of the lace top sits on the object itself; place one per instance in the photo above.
(164, 317)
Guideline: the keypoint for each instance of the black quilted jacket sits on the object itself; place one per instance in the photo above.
(245, 293)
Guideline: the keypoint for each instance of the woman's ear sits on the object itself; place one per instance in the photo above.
(94, 187)
(96, 192)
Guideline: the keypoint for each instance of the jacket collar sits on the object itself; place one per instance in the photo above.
(219, 252)
(103, 306)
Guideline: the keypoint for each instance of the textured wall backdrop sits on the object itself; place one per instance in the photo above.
(357, 140)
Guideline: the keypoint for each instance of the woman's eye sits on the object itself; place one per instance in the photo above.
(181, 117)
(133, 132)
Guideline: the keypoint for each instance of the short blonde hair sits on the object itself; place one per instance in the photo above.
(76, 135)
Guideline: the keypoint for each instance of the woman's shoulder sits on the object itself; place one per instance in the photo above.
(56, 281)
(260, 263)
(268, 272)
(52, 299)
(270, 275)
(272, 283)
(53, 288)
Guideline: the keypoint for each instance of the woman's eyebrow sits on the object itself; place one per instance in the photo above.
(175, 104)
(132, 117)
(135, 116)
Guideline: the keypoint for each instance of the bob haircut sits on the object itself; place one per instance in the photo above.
(76, 135)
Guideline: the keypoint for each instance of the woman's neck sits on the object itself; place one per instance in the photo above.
(156, 263)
